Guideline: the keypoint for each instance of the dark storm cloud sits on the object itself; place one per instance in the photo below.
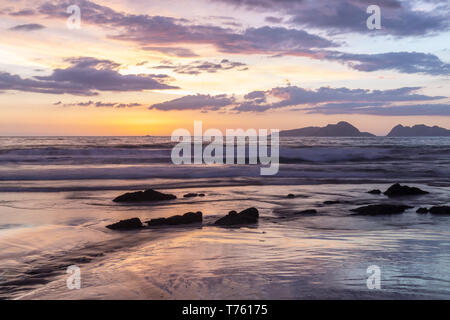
(399, 18)
(193, 102)
(27, 27)
(85, 76)
(197, 67)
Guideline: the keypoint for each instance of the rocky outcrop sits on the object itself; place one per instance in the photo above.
(397, 190)
(374, 191)
(290, 196)
(247, 216)
(422, 210)
(341, 129)
(129, 224)
(149, 195)
(440, 210)
(187, 218)
(380, 209)
(418, 131)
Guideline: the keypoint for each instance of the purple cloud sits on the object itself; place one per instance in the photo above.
(195, 102)
(399, 18)
(86, 76)
(383, 110)
(405, 62)
(99, 104)
(171, 51)
(323, 100)
(197, 67)
(156, 32)
(27, 27)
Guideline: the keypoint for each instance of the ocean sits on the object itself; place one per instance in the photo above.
(56, 199)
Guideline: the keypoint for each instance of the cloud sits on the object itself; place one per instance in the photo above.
(405, 62)
(271, 19)
(197, 67)
(171, 51)
(99, 104)
(158, 32)
(399, 18)
(324, 100)
(23, 13)
(85, 76)
(195, 102)
(294, 96)
(168, 35)
(382, 110)
(27, 27)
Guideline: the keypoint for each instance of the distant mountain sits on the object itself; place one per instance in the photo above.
(418, 131)
(341, 129)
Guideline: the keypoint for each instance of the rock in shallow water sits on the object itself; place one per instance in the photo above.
(142, 196)
(397, 190)
(247, 216)
(440, 210)
(187, 218)
(380, 209)
(374, 191)
(129, 224)
(422, 210)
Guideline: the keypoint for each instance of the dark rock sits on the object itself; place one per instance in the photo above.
(187, 218)
(374, 191)
(201, 194)
(331, 202)
(290, 196)
(141, 196)
(129, 224)
(440, 210)
(307, 212)
(341, 129)
(249, 215)
(380, 209)
(397, 190)
(190, 195)
(422, 210)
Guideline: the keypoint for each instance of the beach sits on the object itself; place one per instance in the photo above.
(56, 199)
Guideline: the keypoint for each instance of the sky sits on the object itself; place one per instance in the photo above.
(144, 67)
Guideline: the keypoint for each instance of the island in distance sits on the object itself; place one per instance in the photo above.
(419, 130)
(345, 129)
(341, 129)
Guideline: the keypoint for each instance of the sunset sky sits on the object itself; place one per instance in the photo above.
(138, 67)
